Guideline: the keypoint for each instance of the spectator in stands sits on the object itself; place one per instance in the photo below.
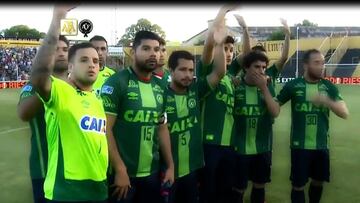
(15, 60)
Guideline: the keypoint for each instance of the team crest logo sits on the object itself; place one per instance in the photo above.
(159, 98)
(69, 27)
(192, 103)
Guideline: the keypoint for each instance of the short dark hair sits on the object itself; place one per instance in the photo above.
(308, 53)
(162, 42)
(98, 38)
(75, 47)
(229, 39)
(144, 34)
(64, 39)
(258, 48)
(254, 56)
(176, 55)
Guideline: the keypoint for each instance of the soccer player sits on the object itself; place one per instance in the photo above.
(161, 72)
(182, 104)
(254, 111)
(75, 121)
(217, 119)
(100, 43)
(312, 98)
(30, 108)
(133, 101)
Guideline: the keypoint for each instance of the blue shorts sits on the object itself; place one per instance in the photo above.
(309, 163)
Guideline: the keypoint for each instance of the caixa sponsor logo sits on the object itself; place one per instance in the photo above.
(89, 123)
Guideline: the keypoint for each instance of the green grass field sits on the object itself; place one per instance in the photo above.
(15, 185)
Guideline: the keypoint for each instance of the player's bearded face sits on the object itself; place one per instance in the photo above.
(86, 66)
(147, 55)
(61, 57)
(229, 53)
(316, 66)
(183, 74)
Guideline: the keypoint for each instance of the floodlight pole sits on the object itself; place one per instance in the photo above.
(297, 52)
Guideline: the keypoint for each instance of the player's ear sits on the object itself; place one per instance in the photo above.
(70, 67)
(132, 54)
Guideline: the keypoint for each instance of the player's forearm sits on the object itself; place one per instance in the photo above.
(246, 41)
(208, 51)
(114, 155)
(44, 59)
(28, 108)
(339, 108)
(219, 69)
(285, 53)
(165, 145)
(272, 106)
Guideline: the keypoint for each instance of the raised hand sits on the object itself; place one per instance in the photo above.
(220, 34)
(63, 9)
(286, 27)
(240, 20)
(320, 100)
(260, 80)
(229, 7)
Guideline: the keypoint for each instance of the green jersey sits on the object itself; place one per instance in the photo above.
(183, 116)
(77, 144)
(39, 152)
(138, 106)
(309, 123)
(217, 111)
(252, 120)
(165, 77)
(103, 75)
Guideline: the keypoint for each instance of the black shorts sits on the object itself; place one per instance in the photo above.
(256, 168)
(309, 163)
(38, 190)
(217, 177)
